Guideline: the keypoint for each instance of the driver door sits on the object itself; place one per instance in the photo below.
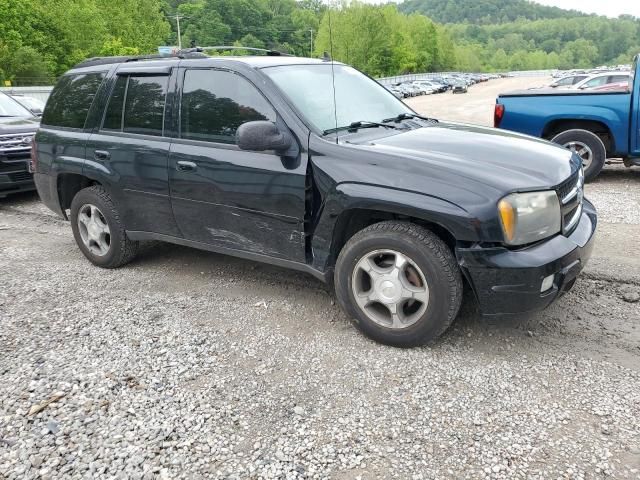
(224, 196)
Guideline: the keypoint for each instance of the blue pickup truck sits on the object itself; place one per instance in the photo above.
(596, 125)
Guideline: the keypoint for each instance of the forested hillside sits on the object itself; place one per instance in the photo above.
(40, 40)
(484, 12)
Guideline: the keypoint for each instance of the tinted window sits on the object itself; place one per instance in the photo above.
(144, 105)
(113, 116)
(70, 101)
(215, 103)
(579, 79)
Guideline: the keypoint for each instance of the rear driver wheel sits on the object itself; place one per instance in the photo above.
(588, 146)
(98, 229)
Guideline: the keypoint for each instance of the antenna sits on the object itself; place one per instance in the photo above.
(333, 73)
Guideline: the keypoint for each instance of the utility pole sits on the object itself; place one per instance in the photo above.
(311, 39)
(177, 19)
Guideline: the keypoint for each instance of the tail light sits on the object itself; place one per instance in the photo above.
(498, 113)
(33, 162)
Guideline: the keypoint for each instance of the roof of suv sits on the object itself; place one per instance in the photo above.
(254, 61)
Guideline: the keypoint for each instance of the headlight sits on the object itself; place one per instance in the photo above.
(529, 217)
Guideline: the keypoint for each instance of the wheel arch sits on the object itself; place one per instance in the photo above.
(68, 185)
(354, 207)
(597, 127)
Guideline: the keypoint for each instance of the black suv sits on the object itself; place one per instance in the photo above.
(17, 128)
(248, 156)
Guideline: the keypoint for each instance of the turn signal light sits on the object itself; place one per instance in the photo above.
(508, 219)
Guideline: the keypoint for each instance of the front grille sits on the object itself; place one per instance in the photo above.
(19, 176)
(565, 187)
(15, 143)
(571, 192)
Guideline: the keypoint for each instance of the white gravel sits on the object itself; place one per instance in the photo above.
(192, 365)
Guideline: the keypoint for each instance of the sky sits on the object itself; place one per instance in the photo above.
(610, 8)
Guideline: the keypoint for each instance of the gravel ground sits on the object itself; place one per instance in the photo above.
(187, 364)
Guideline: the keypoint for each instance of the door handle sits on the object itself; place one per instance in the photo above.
(101, 155)
(184, 166)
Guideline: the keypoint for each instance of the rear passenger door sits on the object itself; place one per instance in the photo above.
(224, 196)
(130, 150)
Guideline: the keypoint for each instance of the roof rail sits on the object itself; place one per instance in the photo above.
(269, 53)
(91, 62)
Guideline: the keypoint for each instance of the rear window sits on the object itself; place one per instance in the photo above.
(137, 105)
(70, 101)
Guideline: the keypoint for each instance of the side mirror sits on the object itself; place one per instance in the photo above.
(262, 135)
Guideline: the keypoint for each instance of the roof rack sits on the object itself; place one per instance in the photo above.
(91, 62)
(194, 52)
(269, 53)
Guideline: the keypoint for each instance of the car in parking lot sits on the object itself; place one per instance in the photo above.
(34, 105)
(568, 81)
(459, 87)
(600, 79)
(17, 128)
(597, 124)
(313, 166)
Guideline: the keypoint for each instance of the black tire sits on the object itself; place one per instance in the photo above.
(121, 249)
(591, 140)
(430, 254)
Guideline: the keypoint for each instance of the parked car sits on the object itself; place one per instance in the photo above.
(596, 124)
(17, 128)
(422, 89)
(406, 90)
(313, 166)
(34, 105)
(396, 92)
(459, 88)
(619, 86)
(601, 79)
(568, 81)
(434, 87)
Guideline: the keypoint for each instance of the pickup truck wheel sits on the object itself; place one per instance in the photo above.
(98, 229)
(588, 146)
(399, 282)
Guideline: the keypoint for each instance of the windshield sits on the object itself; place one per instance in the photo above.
(358, 98)
(10, 108)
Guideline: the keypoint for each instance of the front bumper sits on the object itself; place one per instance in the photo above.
(509, 281)
(14, 176)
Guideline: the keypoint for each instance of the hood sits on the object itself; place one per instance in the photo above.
(9, 125)
(503, 160)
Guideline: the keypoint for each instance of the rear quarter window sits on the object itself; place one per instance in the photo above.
(71, 99)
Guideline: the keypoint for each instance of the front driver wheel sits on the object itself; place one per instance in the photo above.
(399, 282)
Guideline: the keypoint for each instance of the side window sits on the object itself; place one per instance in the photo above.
(577, 80)
(215, 103)
(137, 105)
(618, 78)
(70, 101)
(596, 82)
(113, 116)
(565, 81)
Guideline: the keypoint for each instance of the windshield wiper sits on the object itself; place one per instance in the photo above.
(357, 125)
(407, 116)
